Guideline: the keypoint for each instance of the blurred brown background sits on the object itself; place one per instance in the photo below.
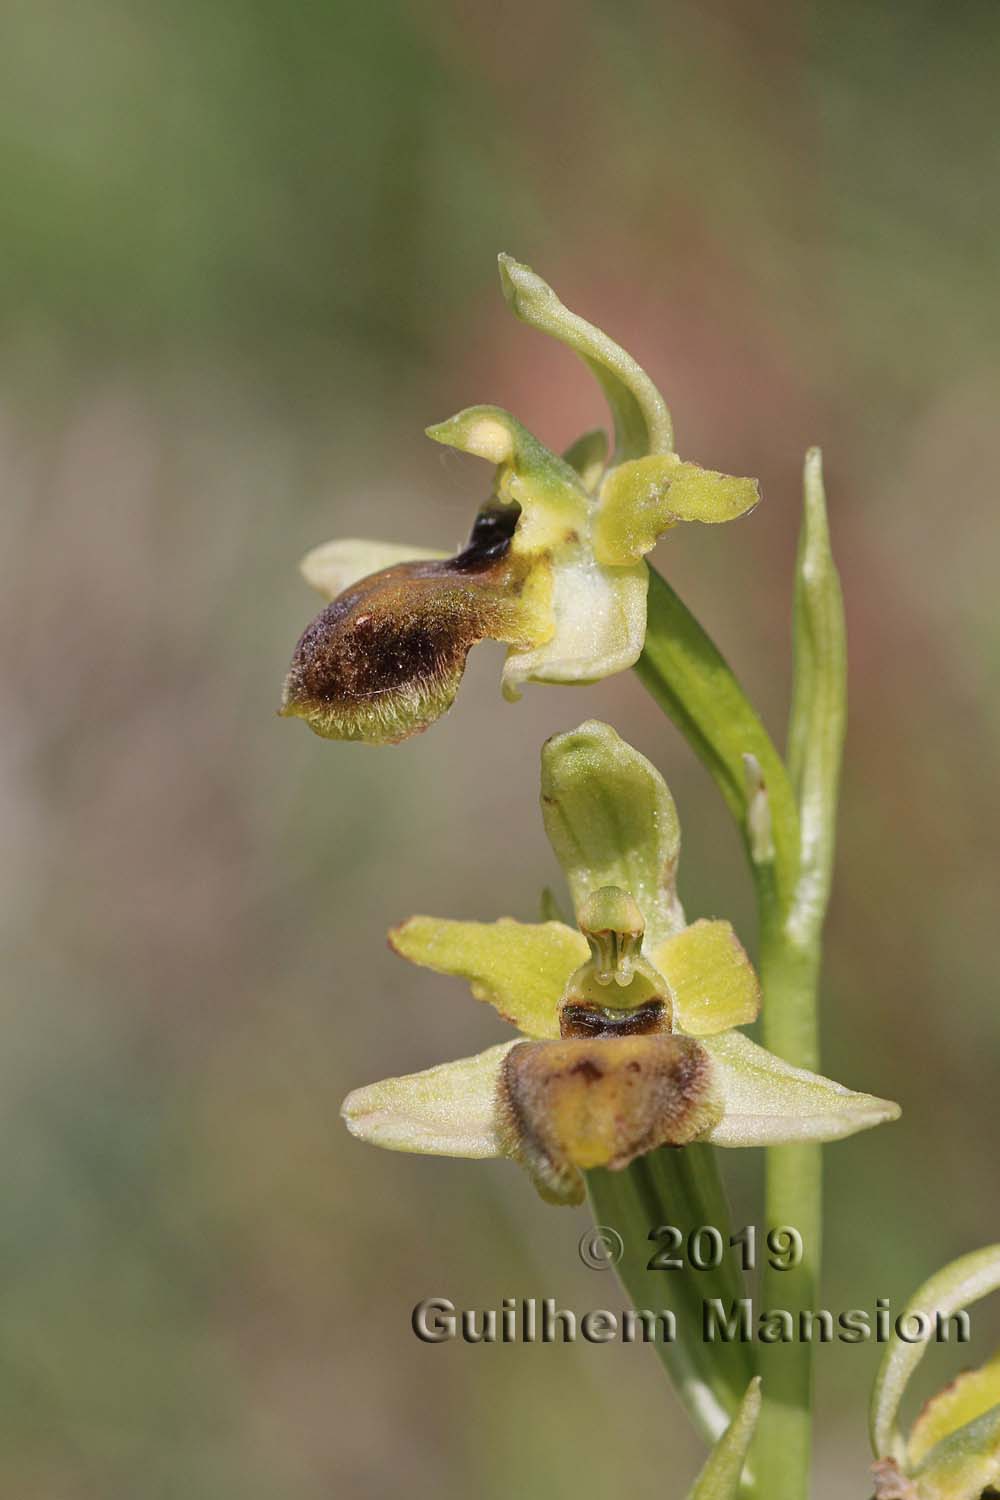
(248, 255)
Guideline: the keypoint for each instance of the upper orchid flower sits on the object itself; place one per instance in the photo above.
(629, 1019)
(553, 567)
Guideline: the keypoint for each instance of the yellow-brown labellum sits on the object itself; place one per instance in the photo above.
(385, 659)
(572, 1105)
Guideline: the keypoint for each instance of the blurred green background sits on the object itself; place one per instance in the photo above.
(248, 254)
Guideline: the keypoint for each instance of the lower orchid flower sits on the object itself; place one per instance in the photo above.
(553, 567)
(628, 1022)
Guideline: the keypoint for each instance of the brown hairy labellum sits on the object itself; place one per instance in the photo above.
(572, 1105)
(385, 659)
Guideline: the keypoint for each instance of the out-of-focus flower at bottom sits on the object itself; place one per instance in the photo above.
(952, 1451)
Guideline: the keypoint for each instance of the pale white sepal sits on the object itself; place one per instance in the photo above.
(767, 1102)
(334, 566)
(449, 1110)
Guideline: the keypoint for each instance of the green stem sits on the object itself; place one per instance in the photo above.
(793, 1195)
(686, 674)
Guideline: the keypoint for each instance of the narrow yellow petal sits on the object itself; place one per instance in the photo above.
(519, 968)
(713, 983)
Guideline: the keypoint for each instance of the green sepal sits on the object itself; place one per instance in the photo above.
(642, 421)
(611, 821)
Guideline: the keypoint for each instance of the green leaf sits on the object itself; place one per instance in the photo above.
(720, 1478)
(611, 821)
(450, 1110)
(642, 421)
(519, 968)
(645, 497)
(957, 1286)
(684, 671)
(682, 1188)
(819, 704)
(767, 1102)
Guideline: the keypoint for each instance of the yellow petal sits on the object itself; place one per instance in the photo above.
(713, 983)
(642, 499)
(520, 968)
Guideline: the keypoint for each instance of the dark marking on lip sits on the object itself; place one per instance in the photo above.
(578, 1019)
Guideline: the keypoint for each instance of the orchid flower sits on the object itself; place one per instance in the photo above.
(628, 1021)
(553, 567)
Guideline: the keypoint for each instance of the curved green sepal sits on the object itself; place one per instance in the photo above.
(334, 566)
(957, 1286)
(767, 1102)
(450, 1110)
(720, 1478)
(713, 983)
(519, 968)
(642, 499)
(642, 421)
(611, 821)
